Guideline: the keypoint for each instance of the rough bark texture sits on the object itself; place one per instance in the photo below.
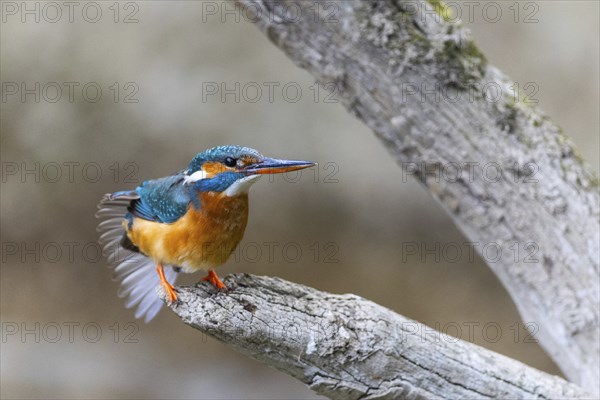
(346, 347)
(384, 56)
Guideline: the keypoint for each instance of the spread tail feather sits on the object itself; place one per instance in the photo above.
(136, 272)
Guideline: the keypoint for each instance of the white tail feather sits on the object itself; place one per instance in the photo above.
(135, 271)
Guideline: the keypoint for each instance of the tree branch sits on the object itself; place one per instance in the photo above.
(385, 57)
(346, 347)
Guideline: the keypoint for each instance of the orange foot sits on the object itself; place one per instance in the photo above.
(214, 280)
(169, 289)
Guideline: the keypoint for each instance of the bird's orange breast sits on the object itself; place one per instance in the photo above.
(201, 239)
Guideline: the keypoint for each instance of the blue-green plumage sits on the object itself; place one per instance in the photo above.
(162, 200)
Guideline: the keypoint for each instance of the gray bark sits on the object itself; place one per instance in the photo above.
(546, 201)
(346, 347)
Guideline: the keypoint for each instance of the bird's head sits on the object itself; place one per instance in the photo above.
(233, 169)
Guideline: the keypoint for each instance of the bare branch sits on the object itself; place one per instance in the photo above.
(346, 347)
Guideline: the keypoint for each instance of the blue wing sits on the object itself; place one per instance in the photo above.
(163, 200)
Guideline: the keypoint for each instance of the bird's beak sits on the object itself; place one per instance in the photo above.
(274, 166)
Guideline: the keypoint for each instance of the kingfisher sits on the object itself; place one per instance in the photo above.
(187, 222)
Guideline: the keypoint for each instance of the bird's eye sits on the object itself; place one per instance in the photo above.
(230, 162)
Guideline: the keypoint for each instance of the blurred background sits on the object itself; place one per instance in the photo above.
(132, 96)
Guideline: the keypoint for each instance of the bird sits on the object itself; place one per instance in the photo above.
(187, 222)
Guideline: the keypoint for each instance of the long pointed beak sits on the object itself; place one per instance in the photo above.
(274, 166)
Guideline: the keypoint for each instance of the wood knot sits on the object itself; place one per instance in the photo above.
(248, 306)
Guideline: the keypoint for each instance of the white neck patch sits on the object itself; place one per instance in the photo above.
(195, 177)
(241, 186)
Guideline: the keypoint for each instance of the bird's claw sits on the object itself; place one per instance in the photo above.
(171, 294)
(215, 281)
